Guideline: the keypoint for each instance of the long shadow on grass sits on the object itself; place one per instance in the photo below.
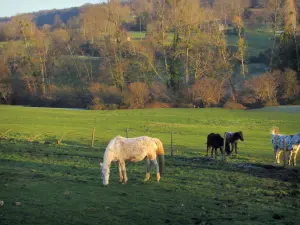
(94, 155)
(254, 169)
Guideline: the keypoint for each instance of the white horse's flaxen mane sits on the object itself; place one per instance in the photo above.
(122, 149)
(291, 143)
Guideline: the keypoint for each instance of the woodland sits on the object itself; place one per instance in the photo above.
(153, 54)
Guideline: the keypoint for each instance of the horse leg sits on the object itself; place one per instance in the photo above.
(235, 147)
(148, 167)
(207, 148)
(154, 161)
(123, 166)
(290, 157)
(295, 156)
(215, 152)
(275, 154)
(278, 156)
(221, 149)
(120, 172)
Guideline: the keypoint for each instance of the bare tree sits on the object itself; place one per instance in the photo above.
(241, 54)
(273, 16)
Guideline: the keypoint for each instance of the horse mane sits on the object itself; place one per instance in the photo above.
(275, 130)
(237, 134)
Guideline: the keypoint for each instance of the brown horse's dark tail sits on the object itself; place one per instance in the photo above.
(160, 155)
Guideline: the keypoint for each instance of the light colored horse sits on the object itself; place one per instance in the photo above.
(122, 149)
(292, 144)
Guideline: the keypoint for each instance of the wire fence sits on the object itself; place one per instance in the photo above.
(176, 143)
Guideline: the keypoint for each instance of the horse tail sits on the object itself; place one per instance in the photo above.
(160, 155)
(160, 148)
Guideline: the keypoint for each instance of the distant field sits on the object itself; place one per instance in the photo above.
(62, 185)
(290, 109)
(256, 41)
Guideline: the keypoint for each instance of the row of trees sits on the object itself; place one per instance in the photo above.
(92, 61)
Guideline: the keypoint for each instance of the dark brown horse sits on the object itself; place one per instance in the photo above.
(214, 141)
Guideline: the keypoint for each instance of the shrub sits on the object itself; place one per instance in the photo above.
(288, 84)
(112, 107)
(64, 96)
(208, 91)
(271, 103)
(158, 92)
(107, 94)
(138, 95)
(156, 104)
(96, 104)
(233, 105)
(264, 88)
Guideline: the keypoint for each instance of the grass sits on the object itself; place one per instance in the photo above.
(62, 185)
(256, 41)
(285, 108)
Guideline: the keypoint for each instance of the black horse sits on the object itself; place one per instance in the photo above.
(214, 141)
(232, 139)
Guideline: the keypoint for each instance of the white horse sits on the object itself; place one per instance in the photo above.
(122, 149)
(292, 145)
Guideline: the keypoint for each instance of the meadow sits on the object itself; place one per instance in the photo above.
(61, 184)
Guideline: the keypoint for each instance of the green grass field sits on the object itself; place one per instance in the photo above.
(256, 41)
(62, 185)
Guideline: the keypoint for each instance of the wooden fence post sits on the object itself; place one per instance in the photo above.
(93, 136)
(60, 140)
(126, 132)
(172, 150)
(284, 155)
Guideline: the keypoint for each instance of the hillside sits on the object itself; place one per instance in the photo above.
(48, 16)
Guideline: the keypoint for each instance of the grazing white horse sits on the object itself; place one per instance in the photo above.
(122, 149)
(292, 145)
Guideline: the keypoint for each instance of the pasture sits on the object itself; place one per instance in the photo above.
(60, 184)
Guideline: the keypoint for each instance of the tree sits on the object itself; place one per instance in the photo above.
(290, 24)
(273, 16)
(186, 19)
(241, 54)
(5, 81)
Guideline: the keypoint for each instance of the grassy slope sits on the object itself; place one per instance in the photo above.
(256, 41)
(61, 184)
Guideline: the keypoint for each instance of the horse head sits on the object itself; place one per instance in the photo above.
(241, 136)
(275, 130)
(105, 173)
